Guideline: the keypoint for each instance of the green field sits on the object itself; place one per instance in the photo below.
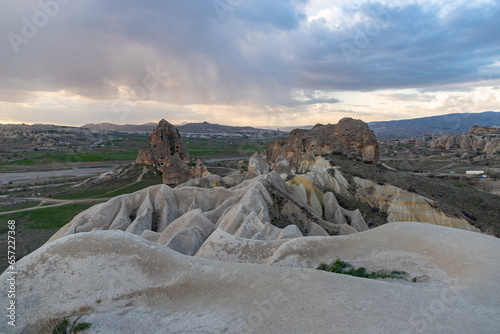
(107, 192)
(135, 138)
(210, 148)
(46, 218)
(126, 148)
(25, 205)
(85, 156)
(130, 189)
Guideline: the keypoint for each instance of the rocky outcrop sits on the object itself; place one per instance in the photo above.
(489, 144)
(257, 165)
(483, 129)
(404, 206)
(166, 151)
(265, 204)
(458, 141)
(492, 147)
(163, 143)
(349, 137)
(193, 259)
(199, 170)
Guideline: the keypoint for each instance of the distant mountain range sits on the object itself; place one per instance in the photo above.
(434, 125)
(401, 129)
(206, 127)
(203, 127)
(115, 127)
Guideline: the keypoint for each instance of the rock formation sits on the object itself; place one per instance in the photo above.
(257, 165)
(478, 139)
(199, 170)
(122, 283)
(483, 129)
(265, 204)
(203, 258)
(237, 259)
(492, 147)
(166, 151)
(350, 137)
(404, 206)
(318, 183)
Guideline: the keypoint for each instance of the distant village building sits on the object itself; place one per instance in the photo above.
(475, 172)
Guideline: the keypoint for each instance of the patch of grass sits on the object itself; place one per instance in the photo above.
(19, 206)
(46, 218)
(122, 184)
(203, 147)
(135, 138)
(87, 193)
(341, 267)
(80, 327)
(130, 189)
(61, 327)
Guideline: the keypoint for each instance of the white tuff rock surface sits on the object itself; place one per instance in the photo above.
(241, 260)
(122, 283)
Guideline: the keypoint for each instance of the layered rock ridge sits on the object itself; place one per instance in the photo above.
(264, 208)
(479, 139)
(349, 137)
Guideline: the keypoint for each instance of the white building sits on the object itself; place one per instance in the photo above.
(475, 172)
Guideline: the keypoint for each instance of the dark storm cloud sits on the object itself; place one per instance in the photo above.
(257, 51)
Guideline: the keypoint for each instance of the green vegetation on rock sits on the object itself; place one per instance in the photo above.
(61, 327)
(341, 267)
(80, 327)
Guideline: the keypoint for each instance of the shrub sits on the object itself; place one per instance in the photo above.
(61, 327)
(341, 267)
(80, 327)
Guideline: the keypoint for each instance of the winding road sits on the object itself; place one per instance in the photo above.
(60, 202)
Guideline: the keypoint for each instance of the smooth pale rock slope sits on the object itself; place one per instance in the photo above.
(122, 283)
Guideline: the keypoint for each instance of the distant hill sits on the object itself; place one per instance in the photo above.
(206, 127)
(288, 128)
(203, 127)
(434, 125)
(116, 127)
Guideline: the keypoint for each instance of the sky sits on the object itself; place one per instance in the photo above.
(246, 62)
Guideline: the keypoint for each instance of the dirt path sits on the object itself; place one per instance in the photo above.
(387, 166)
(61, 202)
(144, 171)
(56, 203)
